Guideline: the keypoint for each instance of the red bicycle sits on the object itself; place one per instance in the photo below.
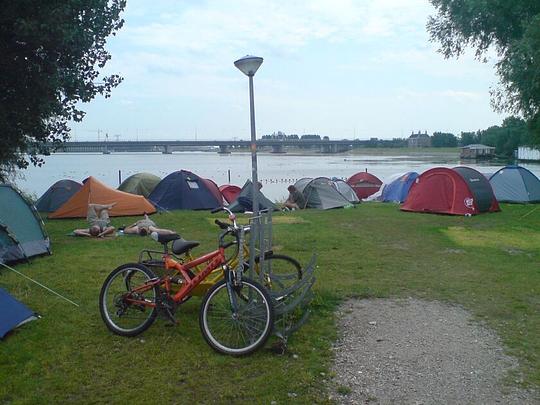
(236, 316)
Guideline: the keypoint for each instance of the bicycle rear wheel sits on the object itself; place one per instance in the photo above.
(281, 272)
(125, 284)
(241, 332)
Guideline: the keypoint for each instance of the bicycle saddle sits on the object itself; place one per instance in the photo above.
(181, 245)
(161, 238)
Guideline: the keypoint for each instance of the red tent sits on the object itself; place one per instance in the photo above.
(364, 184)
(457, 191)
(230, 192)
(94, 191)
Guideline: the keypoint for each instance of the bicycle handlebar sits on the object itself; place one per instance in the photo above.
(221, 224)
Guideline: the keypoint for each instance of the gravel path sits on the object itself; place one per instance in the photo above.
(419, 352)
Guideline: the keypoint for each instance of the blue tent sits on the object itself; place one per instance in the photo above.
(183, 190)
(398, 189)
(515, 184)
(12, 313)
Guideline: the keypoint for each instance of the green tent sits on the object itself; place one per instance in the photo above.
(140, 184)
(22, 234)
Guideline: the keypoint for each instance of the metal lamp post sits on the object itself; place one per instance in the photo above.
(249, 65)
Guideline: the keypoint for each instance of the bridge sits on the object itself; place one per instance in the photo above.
(222, 146)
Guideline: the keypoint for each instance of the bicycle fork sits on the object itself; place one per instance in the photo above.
(232, 281)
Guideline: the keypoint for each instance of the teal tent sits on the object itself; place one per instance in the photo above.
(22, 234)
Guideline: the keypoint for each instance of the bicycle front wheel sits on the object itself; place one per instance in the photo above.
(126, 303)
(237, 331)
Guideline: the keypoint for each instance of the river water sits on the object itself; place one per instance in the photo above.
(275, 171)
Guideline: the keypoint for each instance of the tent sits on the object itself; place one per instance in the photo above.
(140, 184)
(457, 191)
(183, 190)
(244, 201)
(364, 184)
(22, 234)
(229, 192)
(12, 313)
(345, 190)
(57, 194)
(398, 189)
(515, 184)
(213, 187)
(94, 191)
(320, 193)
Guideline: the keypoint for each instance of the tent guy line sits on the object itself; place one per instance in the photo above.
(38, 283)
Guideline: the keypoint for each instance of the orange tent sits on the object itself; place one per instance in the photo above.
(94, 191)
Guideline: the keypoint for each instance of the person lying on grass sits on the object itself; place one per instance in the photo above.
(99, 224)
(145, 227)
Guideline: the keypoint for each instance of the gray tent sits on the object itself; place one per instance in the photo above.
(320, 193)
(244, 201)
(515, 184)
(345, 190)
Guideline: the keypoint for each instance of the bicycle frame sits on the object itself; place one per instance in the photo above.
(213, 259)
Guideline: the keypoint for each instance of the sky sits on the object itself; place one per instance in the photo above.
(345, 69)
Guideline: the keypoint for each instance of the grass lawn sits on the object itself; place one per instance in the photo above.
(489, 264)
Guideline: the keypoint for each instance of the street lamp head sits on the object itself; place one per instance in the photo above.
(249, 64)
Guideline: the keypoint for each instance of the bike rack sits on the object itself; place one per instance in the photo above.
(291, 304)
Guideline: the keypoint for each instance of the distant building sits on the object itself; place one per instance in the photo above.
(526, 153)
(419, 140)
(477, 151)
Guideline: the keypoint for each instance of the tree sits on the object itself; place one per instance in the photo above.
(442, 140)
(505, 138)
(50, 55)
(512, 28)
(468, 138)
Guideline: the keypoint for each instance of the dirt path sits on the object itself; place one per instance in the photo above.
(419, 352)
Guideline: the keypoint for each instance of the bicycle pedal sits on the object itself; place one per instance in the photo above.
(169, 315)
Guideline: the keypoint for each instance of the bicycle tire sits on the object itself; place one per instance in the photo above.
(239, 334)
(115, 311)
(284, 272)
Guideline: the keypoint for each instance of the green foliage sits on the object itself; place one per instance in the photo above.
(51, 52)
(513, 29)
(443, 140)
(505, 138)
(468, 138)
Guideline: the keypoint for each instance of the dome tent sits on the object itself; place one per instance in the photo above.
(244, 201)
(22, 234)
(94, 191)
(364, 184)
(57, 194)
(229, 192)
(515, 184)
(12, 313)
(398, 189)
(320, 193)
(345, 190)
(140, 184)
(457, 191)
(184, 190)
